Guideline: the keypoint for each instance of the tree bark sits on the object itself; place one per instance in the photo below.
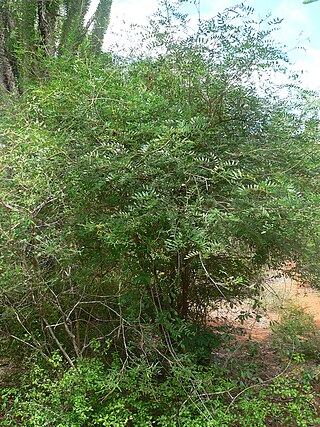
(8, 79)
(47, 19)
(185, 281)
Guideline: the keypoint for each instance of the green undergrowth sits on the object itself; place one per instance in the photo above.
(296, 333)
(233, 390)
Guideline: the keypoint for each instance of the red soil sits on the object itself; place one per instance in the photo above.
(279, 292)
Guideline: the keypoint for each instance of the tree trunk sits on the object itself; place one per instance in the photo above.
(8, 78)
(185, 280)
(47, 19)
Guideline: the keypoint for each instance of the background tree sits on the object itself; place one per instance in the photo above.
(31, 30)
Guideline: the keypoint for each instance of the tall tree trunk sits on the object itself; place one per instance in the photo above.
(101, 23)
(7, 61)
(73, 33)
(8, 80)
(31, 30)
(47, 18)
(184, 272)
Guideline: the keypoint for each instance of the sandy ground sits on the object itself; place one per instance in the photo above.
(288, 290)
(279, 292)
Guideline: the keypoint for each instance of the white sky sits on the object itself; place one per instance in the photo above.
(301, 27)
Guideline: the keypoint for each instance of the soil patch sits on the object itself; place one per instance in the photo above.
(279, 292)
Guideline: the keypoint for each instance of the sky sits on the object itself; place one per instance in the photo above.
(300, 27)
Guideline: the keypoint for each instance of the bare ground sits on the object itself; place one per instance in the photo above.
(279, 292)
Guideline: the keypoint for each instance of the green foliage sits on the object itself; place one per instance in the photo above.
(200, 342)
(285, 402)
(296, 333)
(143, 394)
(135, 193)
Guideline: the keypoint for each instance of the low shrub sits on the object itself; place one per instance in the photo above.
(296, 333)
(143, 394)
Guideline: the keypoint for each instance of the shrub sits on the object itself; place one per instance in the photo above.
(140, 394)
(296, 332)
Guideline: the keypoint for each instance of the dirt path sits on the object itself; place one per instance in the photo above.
(279, 292)
(288, 290)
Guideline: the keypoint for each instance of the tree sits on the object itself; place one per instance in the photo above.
(137, 193)
(32, 30)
